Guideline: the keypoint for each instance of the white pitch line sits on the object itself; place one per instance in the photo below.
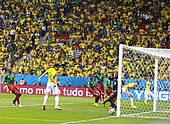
(10, 106)
(88, 120)
(61, 121)
(33, 119)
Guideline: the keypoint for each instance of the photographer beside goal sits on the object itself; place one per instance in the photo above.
(125, 90)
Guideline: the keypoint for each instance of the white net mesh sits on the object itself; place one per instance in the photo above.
(138, 64)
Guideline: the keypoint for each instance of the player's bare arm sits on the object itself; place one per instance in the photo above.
(42, 75)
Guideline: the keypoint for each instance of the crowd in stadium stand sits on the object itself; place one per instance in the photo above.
(80, 35)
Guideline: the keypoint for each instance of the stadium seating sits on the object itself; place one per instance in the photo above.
(80, 35)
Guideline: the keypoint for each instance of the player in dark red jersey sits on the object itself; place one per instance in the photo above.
(94, 90)
(99, 79)
(10, 82)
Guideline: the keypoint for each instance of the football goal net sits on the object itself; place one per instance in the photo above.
(151, 68)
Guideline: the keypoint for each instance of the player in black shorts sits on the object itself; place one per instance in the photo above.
(113, 96)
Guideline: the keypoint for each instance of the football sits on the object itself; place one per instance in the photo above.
(111, 111)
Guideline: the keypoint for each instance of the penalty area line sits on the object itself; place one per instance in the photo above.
(11, 106)
(88, 120)
(31, 119)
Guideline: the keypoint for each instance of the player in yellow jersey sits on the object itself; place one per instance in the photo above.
(51, 85)
(148, 93)
(125, 90)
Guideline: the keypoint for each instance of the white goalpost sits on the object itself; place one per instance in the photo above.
(143, 64)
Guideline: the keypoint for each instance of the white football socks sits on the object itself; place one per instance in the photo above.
(56, 100)
(131, 100)
(45, 99)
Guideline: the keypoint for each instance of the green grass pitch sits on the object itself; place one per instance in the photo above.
(76, 110)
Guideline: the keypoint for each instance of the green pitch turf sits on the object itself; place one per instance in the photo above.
(76, 110)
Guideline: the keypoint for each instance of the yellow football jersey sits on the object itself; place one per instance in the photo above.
(51, 72)
(130, 85)
(148, 85)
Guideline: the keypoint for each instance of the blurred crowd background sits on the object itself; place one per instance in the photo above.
(80, 35)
